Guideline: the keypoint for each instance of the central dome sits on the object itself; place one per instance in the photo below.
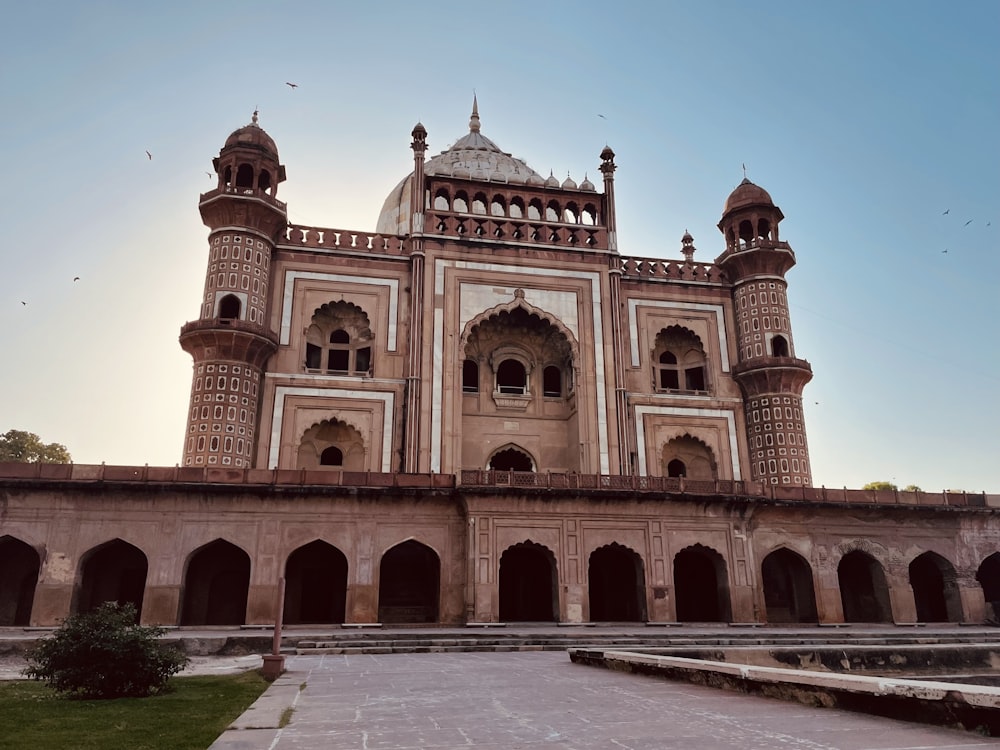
(747, 194)
(471, 157)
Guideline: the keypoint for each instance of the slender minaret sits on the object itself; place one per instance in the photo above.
(771, 377)
(231, 340)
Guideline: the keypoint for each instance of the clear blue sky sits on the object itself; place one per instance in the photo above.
(865, 121)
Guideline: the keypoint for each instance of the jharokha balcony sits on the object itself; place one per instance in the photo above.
(608, 487)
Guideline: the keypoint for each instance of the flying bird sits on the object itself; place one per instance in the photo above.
(946, 212)
(76, 278)
(945, 250)
(968, 222)
(602, 117)
(23, 302)
(209, 175)
(293, 85)
(149, 155)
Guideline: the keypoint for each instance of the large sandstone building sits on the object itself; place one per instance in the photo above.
(485, 411)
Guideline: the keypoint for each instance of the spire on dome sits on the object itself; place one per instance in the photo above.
(474, 120)
(253, 120)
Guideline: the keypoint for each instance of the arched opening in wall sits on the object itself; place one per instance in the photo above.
(227, 176)
(332, 443)
(680, 361)
(988, 576)
(512, 377)
(229, 307)
(516, 208)
(571, 214)
(511, 459)
(498, 206)
(244, 176)
(763, 229)
(552, 211)
(264, 181)
(789, 594)
(616, 584)
(779, 346)
(470, 376)
(935, 589)
(111, 572)
(315, 584)
(528, 584)
(746, 232)
(216, 585)
(409, 584)
(701, 585)
(461, 203)
(552, 381)
(535, 210)
(589, 215)
(864, 592)
(19, 567)
(441, 200)
(479, 204)
(687, 456)
(331, 456)
(339, 340)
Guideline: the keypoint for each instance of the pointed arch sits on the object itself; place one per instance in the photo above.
(409, 584)
(528, 584)
(511, 457)
(20, 564)
(216, 585)
(864, 592)
(701, 585)
(527, 307)
(315, 584)
(688, 456)
(679, 360)
(616, 584)
(936, 595)
(111, 572)
(988, 575)
(324, 439)
(789, 593)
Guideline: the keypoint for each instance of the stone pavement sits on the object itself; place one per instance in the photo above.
(504, 701)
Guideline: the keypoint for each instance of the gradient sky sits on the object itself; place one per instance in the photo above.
(866, 121)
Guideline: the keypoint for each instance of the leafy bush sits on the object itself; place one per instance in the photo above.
(104, 654)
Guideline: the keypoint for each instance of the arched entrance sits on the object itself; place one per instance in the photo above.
(935, 589)
(112, 572)
(315, 584)
(701, 585)
(409, 584)
(19, 566)
(528, 584)
(616, 584)
(988, 576)
(788, 587)
(863, 589)
(216, 585)
(511, 459)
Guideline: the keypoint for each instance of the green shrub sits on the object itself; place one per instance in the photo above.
(104, 654)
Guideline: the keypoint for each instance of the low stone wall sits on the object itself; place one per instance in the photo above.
(970, 707)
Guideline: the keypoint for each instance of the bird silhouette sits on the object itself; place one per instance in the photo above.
(209, 175)
(149, 155)
(602, 117)
(946, 212)
(76, 278)
(945, 250)
(293, 85)
(968, 222)
(23, 302)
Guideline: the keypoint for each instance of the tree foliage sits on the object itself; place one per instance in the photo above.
(880, 486)
(18, 445)
(104, 654)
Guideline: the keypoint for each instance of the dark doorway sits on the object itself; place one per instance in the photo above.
(315, 584)
(700, 585)
(988, 576)
(511, 459)
(863, 590)
(617, 585)
(113, 572)
(788, 587)
(216, 585)
(409, 582)
(935, 589)
(19, 566)
(528, 584)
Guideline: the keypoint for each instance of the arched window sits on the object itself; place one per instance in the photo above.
(779, 346)
(535, 210)
(470, 376)
(441, 202)
(511, 459)
(229, 307)
(264, 181)
(497, 206)
(461, 204)
(244, 176)
(339, 340)
(552, 381)
(332, 456)
(687, 456)
(552, 211)
(676, 468)
(512, 377)
(516, 208)
(479, 204)
(679, 361)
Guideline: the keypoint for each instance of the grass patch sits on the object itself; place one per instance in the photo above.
(190, 717)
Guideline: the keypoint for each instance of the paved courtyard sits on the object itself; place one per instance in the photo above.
(505, 701)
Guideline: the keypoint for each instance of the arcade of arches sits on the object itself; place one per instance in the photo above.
(530, 580)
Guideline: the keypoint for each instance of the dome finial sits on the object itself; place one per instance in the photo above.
(474, 120)
(253, 120)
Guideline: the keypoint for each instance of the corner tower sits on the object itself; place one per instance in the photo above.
(771, 377)
(231, 341)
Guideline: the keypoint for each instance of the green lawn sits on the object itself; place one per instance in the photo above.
(189, 718)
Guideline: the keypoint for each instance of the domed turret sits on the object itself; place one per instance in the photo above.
(249, 161)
